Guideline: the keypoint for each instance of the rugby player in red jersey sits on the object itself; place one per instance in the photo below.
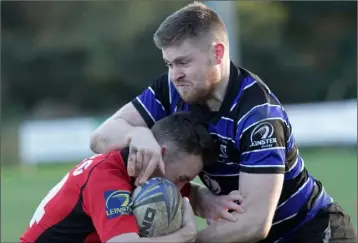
(92, 203)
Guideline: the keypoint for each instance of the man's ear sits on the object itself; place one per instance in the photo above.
(219, 51)
(164, 150)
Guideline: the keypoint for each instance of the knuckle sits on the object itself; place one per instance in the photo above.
(158, 150)
(153, 153)
(147, 152)
(223, 211)
(141, 150)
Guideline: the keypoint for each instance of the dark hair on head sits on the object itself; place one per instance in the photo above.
(196, 22)
(188, 134)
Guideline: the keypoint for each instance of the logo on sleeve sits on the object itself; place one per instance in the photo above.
(117, 203)
(261, 136)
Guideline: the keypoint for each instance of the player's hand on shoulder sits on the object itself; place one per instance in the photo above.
(189, 229)
(145, 155)
(217, 207)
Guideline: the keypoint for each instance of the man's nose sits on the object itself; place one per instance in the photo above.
(177, 74)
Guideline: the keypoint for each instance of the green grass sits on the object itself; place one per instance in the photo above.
(22, 189)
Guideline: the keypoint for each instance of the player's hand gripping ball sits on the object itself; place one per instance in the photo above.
(158, 207)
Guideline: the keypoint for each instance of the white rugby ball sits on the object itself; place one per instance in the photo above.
(158, 207)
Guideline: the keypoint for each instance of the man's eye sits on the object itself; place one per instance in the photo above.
(168, 65)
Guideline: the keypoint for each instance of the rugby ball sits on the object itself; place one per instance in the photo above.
(158, 207)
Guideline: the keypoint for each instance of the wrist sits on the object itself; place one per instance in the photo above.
(137, 132)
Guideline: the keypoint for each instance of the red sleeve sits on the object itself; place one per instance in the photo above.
(107, 200)
(185, 191)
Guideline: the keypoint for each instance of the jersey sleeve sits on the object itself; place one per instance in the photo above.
(154, 102)
(107, 200)
(261, 140)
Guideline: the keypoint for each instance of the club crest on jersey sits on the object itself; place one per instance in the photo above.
(117, 203)
(261, 136)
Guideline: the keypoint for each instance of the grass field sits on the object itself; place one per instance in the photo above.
(23, 189)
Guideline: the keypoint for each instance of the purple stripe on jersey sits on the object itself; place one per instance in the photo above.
(323, 201)
(296, 169)
(264, 157)
(173, 96)
(255, 115)
(248, 81)
(258, 113)
(293, 204)
(152, 105)
(291, 142)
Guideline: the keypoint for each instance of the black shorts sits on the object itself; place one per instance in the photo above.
(330, 225)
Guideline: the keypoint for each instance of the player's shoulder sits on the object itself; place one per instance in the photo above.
(162, 80)
(163, 76)
(98, 163)
(165, 90)
(163, 87)
(255, 93)
(108, 161)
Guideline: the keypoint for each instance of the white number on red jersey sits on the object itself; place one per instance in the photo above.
(40, 211)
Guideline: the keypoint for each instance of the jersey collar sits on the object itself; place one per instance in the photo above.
(233, 88)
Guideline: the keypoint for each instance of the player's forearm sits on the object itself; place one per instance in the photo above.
(246, 229)
(113, 134)
(178, 236)
(195, 198)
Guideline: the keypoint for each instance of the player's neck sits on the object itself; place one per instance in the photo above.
(217, 96)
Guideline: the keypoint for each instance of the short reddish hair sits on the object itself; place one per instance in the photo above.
(195, 21)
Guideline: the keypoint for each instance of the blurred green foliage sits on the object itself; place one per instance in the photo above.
(62, 58)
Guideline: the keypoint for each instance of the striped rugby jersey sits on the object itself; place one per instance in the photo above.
(254, 135)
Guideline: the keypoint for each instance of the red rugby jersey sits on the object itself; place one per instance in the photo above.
(92, 203)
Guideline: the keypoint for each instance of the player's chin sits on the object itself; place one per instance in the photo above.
(190, 98)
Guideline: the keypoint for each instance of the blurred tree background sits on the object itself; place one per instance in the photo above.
(89, 57)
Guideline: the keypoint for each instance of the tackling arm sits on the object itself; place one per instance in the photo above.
(116, 132)
(136, 116)
(262, 166)
(261, 194)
